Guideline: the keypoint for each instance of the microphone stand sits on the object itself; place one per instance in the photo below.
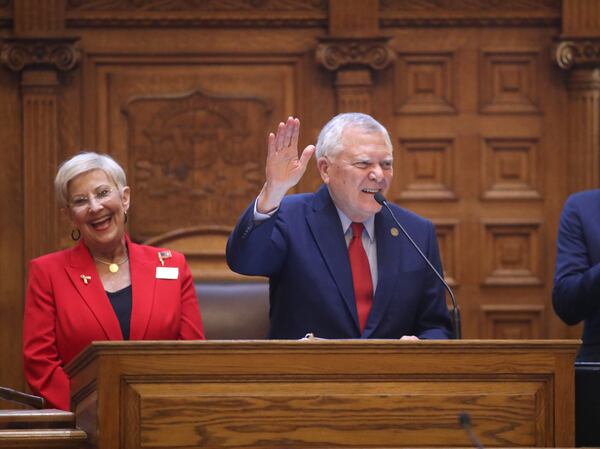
(455, 315)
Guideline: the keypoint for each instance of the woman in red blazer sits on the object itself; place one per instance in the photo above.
(104, 288)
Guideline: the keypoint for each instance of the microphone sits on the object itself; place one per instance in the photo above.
(465, 421)
(455, 312)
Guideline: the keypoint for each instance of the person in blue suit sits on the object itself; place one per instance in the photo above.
(576, 293)
(301, 241)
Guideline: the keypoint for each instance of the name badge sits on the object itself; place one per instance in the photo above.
(167, 272)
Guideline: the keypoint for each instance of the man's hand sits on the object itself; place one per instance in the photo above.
(284, 168)
(409, 337)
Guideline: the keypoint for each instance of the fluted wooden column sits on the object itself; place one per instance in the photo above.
(353, 50)
(583, 125)
(39, 51)
(40, 149)
(578, 51)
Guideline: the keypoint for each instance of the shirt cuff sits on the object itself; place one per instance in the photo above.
(259, 217)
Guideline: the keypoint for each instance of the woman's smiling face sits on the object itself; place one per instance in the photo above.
(97, 208)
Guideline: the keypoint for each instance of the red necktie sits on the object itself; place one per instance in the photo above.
(361, 275)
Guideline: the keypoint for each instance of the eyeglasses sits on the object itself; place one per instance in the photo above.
(81, 202)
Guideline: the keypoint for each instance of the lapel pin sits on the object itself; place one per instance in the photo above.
(85, 279)
(162, 255)
(394, 232)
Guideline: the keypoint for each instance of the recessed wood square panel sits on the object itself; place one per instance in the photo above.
(510, 169)
(356, 413)
(199, 148)
(512, 321)
(192, 136)
(426, 169)
(509, 82)
(447, 235)
(425, 83)
(512, 253)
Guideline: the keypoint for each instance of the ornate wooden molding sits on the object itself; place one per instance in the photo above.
(6, 19)
(56, 53)
(208, 21)
(476, 13)
(336, 53)
(205, 13)
(187, 5)
(576, 53)
(471, 5)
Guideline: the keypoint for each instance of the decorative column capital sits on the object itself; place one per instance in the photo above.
(334, 53)
(577, 53)
(58, 53)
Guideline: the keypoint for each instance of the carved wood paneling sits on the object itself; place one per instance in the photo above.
(54, 53)
(483, 13)
(512, 253)
(168, 13)
(425, 83)
(584, 129)
(5, 14)
(448, 240)
(510, 169)
(172, 159)
(426, 169)
(353, 60)
(579, 53)
(38, 17)
(509, 82)
(373, 53)
(581, 18)
(203, 5)
(40, 149)
(353, 17)
(512, 321)
(190, 137)
(12, 240)
(354, 89)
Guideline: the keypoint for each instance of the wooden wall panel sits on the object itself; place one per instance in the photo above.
(12, 258)
(190, 130)
(475, 115)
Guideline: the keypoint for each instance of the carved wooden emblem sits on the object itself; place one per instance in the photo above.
(196, 159)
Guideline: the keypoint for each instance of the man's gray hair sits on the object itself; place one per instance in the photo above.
(82, 163)
(330, 137)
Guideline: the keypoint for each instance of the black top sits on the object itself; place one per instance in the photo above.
(121, 303)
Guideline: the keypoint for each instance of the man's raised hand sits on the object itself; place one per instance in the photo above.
(284, 168)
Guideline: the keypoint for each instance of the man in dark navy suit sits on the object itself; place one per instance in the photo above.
(337, 264)
(576, 294)
(576, 298)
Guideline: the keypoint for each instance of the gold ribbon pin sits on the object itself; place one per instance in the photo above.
(394, 232)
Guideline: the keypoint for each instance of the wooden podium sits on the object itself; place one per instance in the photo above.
(324, 393)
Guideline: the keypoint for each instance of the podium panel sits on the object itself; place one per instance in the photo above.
(324, 393)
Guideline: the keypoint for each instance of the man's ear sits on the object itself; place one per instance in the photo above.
(323, 165)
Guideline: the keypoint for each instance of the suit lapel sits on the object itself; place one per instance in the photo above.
(92, 293)
(143, 280)
(324, 223)
(388, 267)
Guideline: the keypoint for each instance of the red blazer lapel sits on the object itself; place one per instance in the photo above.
(81, 264)
(143, 280)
